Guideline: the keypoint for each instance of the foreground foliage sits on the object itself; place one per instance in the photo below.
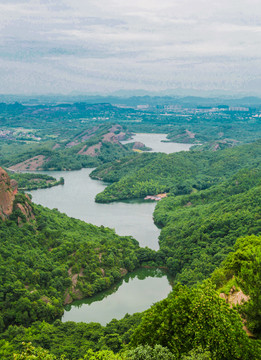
(70, 339)
(190, 318)
(51, 256)
(244, 267)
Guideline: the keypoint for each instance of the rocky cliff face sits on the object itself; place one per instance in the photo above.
(8, 203)
(7, 194)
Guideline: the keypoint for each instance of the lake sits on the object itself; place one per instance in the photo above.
(136, 292)
(154, 141)
(139, 290)
(76, 199)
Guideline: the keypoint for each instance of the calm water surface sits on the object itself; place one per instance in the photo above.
(76, 199)
(139, 290)
(135, 293)
(154, 142)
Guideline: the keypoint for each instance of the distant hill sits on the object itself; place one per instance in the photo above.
(132, 99)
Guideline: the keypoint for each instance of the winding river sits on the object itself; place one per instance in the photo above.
(76, 199)
(136, 291)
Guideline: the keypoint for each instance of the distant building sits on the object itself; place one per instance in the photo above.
(156, 197)
(238, 108)
(143, 107)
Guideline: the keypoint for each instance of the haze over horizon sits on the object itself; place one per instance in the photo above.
(188, 47)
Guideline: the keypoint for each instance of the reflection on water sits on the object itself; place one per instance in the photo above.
(139, 290)
(76, 199)
(134, 293)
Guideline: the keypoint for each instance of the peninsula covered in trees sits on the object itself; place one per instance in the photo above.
(211, 216)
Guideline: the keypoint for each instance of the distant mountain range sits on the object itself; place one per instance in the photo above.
(249, 101)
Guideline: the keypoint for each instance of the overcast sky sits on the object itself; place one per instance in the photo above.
(100, 46)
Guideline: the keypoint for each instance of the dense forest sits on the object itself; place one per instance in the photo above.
(29, 181)
(201, 228)
(210, 233)
(192, 323)
(49, 259)
(71, 136)
(177, 173)
(52, 259)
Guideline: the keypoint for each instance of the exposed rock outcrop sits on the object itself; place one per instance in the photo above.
(237, 298)
(27, 211)
(7, 194)
(234, 297)
(77, 294)
(8, 191)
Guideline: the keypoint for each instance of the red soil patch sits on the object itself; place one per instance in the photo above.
(7, 195)
(68, 299)
(56, 146)
(81, 152)
(71, 144)
(236, 298)
(27, 210)
(188, 204)
(14, 185)
(93, 150)
(35, 163)
(138, 145)
(86, 137)
(123, 271)
(121, 136)
(115, 128)
(190, 134)
(46, 299)
(102, 271)
(110, 137)
(87, 134)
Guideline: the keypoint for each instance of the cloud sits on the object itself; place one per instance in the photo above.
(116, 44)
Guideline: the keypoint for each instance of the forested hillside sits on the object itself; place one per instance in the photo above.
(73, 135)
(49, 259)
(201, 228)
(195, 320)
(211, 225)
(67, 150)
(241, 271)
(192, 323)
(177, 173)
(116, 170)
